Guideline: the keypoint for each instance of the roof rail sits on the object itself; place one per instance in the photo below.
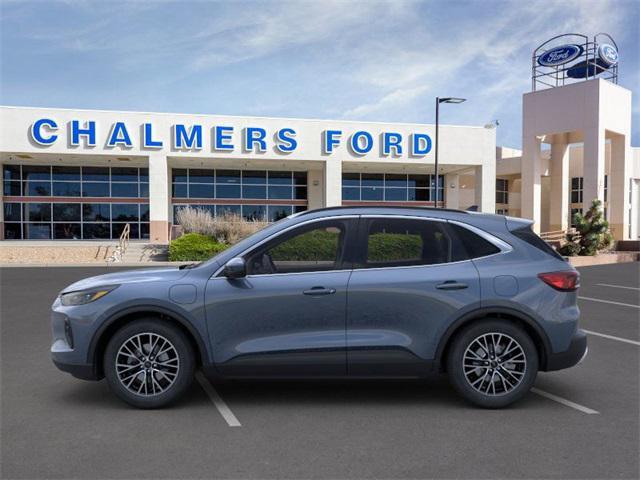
(377, 207)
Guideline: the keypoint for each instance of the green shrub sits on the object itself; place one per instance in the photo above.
(194, 247)
(389, 247)
(592, 233)
(309, 246)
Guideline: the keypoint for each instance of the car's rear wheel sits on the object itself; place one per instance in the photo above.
(149, 363)
(492, 363)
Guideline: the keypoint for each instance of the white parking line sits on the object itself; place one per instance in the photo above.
(611, 337)
(609, 301)
(564, 401)
(617, 286)
(217, 400)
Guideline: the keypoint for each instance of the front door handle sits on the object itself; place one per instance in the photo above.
(319, 291)
(452, 285)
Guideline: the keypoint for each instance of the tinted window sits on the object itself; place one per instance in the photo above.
(66, 173)
(534, 240)
(399, 242)
(313, 248)
(468, 245)
(66, 212)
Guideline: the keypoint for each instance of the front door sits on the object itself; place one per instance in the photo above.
(409, 283)
(287, 316)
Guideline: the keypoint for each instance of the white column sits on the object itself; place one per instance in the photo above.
(452, 187)
(593, 167)
(332, 182)
(159, 198)
(485, 188)
(531, 181)
(559, 201)
(618, 188)
(315, 189)
(1, 209)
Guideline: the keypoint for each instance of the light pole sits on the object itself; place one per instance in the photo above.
(438, 102)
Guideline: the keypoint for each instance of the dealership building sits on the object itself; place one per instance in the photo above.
(85, 174)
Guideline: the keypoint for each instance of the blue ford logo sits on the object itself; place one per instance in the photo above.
(560, 55)
(608, 54)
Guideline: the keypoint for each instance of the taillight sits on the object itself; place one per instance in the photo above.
(568, 281)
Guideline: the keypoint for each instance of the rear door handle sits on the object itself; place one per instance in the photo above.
(452, 285)
(319, 291)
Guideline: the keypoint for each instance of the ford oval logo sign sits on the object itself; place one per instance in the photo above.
(608, 54)
(560, 55)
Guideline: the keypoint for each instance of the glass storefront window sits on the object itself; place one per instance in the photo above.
(391, 187)
(66, 212)
(95, 174)
(96, 212)
(66, 189)
(66, 173)
(249, 186)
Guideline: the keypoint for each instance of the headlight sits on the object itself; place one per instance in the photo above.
(83, 297)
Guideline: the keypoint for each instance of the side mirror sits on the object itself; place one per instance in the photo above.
(235, 268)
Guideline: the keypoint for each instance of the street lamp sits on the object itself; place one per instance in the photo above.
(438, 102)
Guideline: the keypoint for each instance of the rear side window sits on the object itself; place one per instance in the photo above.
(529, 236)
(469, 245)
(395, 242)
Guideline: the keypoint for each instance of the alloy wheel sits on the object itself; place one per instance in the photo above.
(494, 364)
(147, 364)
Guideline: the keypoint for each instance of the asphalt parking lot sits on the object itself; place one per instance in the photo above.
(581, 423)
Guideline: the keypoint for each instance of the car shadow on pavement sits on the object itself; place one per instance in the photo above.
(92, 395)
(434, 392)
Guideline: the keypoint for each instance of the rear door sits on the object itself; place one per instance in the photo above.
(410, 281)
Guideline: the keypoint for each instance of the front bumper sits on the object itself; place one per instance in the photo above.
(576, 352)
(68, 351)
(83, 372)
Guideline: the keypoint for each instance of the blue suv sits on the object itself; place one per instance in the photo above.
(338, 292)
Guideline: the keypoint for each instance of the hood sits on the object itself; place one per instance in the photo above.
(130, 276)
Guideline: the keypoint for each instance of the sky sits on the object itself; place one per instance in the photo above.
(344, 60)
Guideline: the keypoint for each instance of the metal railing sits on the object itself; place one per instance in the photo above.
(123, 244)
(556, 235)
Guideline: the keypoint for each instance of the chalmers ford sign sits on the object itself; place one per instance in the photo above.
(222, 138)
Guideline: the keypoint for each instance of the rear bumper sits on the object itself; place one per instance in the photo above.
(572, 356)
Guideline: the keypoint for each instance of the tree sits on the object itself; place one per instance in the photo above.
(591, 235)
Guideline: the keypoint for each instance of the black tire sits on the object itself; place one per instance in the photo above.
(175, 386)
(499, 392)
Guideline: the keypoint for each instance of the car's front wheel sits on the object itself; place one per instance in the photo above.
(492, 363)
(149, 363)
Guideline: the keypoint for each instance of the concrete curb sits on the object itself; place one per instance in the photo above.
(95, 265)
(604, 259)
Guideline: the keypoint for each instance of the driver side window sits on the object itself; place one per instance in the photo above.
(310, 248)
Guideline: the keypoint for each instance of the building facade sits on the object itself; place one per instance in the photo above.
(85, 174)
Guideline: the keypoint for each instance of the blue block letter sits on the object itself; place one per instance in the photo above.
(330, 140)
(119, 136)
(253, 136)
(421, 144)
(286, 140)
(391, 140)
(355, 142)
(184, 139)
(36, 131)
(223, 135)
(89, 131)
(147, 138)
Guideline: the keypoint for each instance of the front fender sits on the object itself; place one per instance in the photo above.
(149, 305)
